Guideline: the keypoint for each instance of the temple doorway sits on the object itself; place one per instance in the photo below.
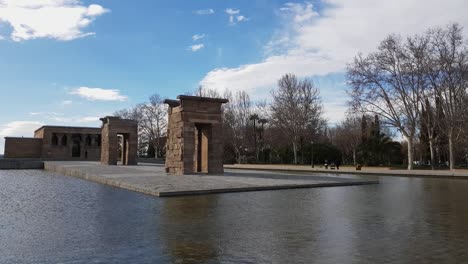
(202, 140)
(76, 146)
(123, 148)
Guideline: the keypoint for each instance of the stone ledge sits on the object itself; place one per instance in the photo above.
(21, 164)
(151, 179)
(364, 171)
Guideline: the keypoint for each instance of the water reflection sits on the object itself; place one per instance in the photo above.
(188, 228)
(47, 218)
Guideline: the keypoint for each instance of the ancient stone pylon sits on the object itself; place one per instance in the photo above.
(112, 128)
(194, 135)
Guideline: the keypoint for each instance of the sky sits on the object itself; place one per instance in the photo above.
(70, 62)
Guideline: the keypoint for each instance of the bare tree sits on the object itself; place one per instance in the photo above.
(236, 119)
(429, 124)
(296, 108)
(448, 75)
(206, 92)
(151, 117)
(254, 118)
(153, 122)
(348, 136)
(389, 83)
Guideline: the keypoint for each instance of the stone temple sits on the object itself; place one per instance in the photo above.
(117, 139)
(57, 143)
(194, 135)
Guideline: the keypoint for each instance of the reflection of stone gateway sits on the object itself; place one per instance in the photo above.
(195, 141)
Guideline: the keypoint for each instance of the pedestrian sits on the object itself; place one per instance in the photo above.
(326, 164)
(337, 164)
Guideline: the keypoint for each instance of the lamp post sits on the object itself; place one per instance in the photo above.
(312, 154)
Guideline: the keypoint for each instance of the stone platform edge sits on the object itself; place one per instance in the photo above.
(21, 164)
(99, 179)
(95, 178)
(390, 173)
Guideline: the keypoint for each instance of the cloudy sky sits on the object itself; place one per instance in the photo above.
(70, 62)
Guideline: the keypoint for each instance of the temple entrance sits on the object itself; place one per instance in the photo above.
(194, 135)
(123, 148)
(202, 138)
(119, 141)
(76, 146)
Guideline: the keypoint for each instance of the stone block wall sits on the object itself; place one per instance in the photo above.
(23, 147)
(111, 128)
(21, 164)
(62, 148)
(192, 119)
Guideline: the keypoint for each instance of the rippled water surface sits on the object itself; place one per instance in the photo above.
(48, 218)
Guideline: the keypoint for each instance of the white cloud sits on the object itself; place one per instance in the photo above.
(67, 102)
(17, 129)
(47, 114)
(208, 11)
(312, 43)
(299, 12)
(197, 37)
(196, 47)
(88, 119)
(56, 19)
(75, 119)
(232, 11)
(241, 18)
(99, 94)
(234, 16)
(53, 118)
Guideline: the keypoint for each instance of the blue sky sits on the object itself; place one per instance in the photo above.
(69, 62)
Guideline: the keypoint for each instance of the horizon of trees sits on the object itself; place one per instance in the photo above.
(416, 86)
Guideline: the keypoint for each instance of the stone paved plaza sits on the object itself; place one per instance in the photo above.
(152, 179)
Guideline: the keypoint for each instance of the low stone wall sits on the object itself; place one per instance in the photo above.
(16, 147)
(21, 164)
(151, 160)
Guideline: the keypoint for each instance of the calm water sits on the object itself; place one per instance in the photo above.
(48, 218)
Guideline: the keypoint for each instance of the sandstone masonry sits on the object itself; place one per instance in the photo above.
(195, 135)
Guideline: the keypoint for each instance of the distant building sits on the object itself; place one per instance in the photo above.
(57, 143)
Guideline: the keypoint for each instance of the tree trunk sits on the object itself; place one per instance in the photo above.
(354, 157)
(451, 156)
(295, 152)
(431, 149)
(238, 156)
(410, 153)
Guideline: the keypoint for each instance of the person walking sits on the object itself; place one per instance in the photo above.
(337, 164)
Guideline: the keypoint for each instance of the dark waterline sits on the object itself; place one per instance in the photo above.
(48, 218)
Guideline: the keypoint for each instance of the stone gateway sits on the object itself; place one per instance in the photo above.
(113, 128)
(194, 135)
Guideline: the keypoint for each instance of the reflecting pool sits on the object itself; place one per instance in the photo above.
(49, 218)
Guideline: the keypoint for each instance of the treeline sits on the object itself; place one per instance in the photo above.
(289, 129)
(414, 87)
(418, 85)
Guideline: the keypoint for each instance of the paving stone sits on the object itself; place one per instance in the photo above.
(152, 179)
